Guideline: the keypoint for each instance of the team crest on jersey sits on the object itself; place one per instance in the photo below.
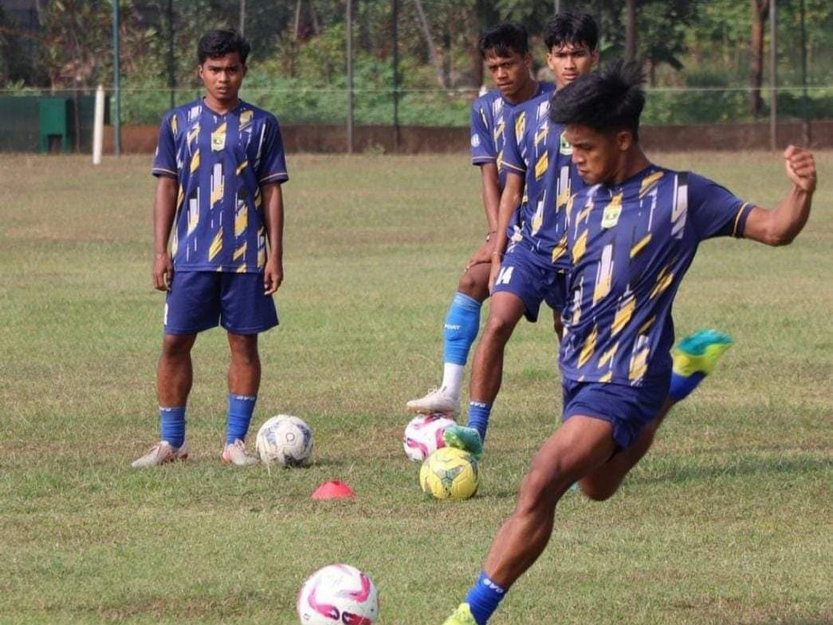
(610, 217)
(218, 138)
(564, 146)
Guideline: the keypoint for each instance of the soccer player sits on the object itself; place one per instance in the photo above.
(505, 51)
(539, 180)
(218, 241)
(631, 235)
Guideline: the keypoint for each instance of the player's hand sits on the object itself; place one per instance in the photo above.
(497, 260)
(163, 272)
(272, 275)
(801, 168)
(482, 255)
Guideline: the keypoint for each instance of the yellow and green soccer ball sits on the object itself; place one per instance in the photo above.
(449, 473)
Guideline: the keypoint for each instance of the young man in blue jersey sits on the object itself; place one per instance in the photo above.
(218, 241)
(632, 233)
(505, 52)
(539, 180)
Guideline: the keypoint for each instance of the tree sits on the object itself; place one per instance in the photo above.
(760, 11)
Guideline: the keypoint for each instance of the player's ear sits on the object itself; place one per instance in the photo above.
(624, 140)
(594, 57)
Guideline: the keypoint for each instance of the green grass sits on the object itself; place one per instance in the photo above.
(728, 520)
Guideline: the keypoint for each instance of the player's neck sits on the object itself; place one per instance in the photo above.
(528, 91)
(221, 107)
(633, 162)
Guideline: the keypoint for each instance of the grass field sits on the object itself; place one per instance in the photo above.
(728, 520)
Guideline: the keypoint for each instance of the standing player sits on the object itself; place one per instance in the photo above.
(218, 241)
(505, 51)
(631, 236)
(539, 180)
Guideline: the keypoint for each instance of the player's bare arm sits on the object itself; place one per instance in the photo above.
(164, 208)
(490, 190)
(510, 199)
(782, 224)
(273, 219)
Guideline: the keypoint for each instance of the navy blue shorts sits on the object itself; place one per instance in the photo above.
(199, 300)
(627, 408)
(522, 275)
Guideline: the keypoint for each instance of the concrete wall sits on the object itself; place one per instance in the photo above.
(321, 138)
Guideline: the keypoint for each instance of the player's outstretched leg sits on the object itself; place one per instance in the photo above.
(460, 330)
(695, 357)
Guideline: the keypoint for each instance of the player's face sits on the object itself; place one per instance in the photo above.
(222, 77)
(598, 156)
(509, 73)
(569, 61)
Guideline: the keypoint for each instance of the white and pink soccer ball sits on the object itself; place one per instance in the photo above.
(424, 435)
(338, 594)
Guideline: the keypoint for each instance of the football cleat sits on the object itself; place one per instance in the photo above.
(437, 400)
(161, 453)
(235, 453)
(462, 616)
(699, 352)
(465, 438)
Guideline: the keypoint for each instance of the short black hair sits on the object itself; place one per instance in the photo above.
(571, 27)
(217, 43)
(504, 39)
(608, 100)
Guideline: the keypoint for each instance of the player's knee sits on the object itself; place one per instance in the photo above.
(498, 329)
(596, 491)
(177, 346)
(472, 284)
(540, 489)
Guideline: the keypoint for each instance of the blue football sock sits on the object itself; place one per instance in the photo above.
(681, 387)
(479, 417)
(172, 425)
(240, 410)
(461, 325)
(483, 598)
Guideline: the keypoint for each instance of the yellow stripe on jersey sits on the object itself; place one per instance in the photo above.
(579, 247)
(541, 166)
(261, 248)
(218, 185)
(520, 124)
(245, 119)
(193, 134)
(257, 199)
(174, 243)
(588, 349)
(195, 161)
(646, 326)
(607, 377)
(240, 252)
(216, 244)
(623, 315)
(649, 182)
(542, 134)
(174, 125)
(585, 212)
(241, 167)
(608, 356)
(640, 245)
(499, 129)
(560, 248)
(604, 274)
(664, 280)
(180, 197)
(241, 220)
(500, 160)
(639, 364)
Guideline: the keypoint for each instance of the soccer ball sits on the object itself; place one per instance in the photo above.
(338, 594)
(284, 440)
(449, 473)
(424, 435)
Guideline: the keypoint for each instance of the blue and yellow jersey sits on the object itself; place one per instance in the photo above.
(628, 247)
(220, 163)
(537, 150)
(489, 116)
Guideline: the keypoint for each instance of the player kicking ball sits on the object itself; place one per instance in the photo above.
(505, 51)
(218, 241)
(631, 236)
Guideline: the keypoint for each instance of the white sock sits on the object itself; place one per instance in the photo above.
(452, 379)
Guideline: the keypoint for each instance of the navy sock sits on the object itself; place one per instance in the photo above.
(479, 417)
(172, 425)
(483, 598)
(240, 410)
(681, 387)
(461, 326)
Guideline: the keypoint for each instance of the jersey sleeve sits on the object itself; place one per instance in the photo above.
(164, 161)
(714, 210)
(272, 167)
(512, 158)
(482, 146)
